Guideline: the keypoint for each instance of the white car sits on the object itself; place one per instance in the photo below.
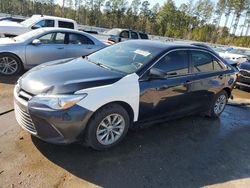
(237, 58)
(12, 29)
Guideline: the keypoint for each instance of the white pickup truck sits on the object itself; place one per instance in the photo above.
(12, 29)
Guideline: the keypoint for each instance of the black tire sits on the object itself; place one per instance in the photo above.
(10, 57)
(212, 112)
(92, 127)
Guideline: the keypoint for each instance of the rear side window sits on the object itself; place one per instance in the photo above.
(174, 63)
(64, 24)
(134, 35)
(204, 62)
(143, 36)
(79, 39)
(124, 34)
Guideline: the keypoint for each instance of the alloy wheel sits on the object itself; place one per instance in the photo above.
(110, 129)
(220, 104)
(8, 65)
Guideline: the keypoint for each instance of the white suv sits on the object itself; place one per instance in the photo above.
(11, 29)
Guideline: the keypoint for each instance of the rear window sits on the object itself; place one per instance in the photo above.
(64, 24)
(143, 36)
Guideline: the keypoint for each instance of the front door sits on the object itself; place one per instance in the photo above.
(52, 47)
(170, 96)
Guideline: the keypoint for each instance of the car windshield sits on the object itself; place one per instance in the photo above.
(28, 35)
(124, 57)
(28, 22)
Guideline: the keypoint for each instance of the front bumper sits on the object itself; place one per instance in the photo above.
(54, 126)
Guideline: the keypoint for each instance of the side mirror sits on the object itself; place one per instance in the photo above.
(36, 42)
(155, 73)
(35, 27)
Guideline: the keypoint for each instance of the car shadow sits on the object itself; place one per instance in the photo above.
(189, 152)
(10, 79)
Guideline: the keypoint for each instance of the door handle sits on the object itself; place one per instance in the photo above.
(89, 47)
(188, 82)
(60, 48)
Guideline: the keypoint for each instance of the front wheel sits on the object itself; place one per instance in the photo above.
(9, 64)
(218, 104)
(107, 127)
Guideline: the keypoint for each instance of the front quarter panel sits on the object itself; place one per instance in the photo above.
(125, 90)
(16, 49)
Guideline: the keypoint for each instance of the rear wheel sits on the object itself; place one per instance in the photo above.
(107, 127)
(218, 104)
(9, 64)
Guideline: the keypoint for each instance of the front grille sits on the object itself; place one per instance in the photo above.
(24, 119)
(245, 73)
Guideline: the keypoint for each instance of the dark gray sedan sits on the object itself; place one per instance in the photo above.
(42, 45)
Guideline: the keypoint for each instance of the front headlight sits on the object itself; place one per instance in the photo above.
(58, 102)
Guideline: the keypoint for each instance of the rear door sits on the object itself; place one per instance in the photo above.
(170, 96)
(52, 47)
(209, 77)
(79, 45)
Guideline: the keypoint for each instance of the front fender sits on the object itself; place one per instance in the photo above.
(19, 52)
(125, 90)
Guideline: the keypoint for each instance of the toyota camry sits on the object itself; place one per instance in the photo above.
(97, 98)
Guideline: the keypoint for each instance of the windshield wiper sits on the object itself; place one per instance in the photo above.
(98, 64)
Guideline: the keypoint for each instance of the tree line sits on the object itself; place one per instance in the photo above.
(195, 20)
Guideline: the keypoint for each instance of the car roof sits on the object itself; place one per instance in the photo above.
(52, 17)
(60, 29)
(166, 45)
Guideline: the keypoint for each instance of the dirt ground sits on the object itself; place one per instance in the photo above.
(189, 152)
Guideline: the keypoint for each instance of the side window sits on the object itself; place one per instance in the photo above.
(134, 35)
(204, 62)
(64, 24)
(124, 34)
(53, 38)
(46, 23)
(218, 66)
(79, 39)
(143, 36)
(174, 63)
(59, 39)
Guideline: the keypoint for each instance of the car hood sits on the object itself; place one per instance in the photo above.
(7, 41)
(230, 55)
(245, 65)
(12, 28)
(66, 77)
(9, 23)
